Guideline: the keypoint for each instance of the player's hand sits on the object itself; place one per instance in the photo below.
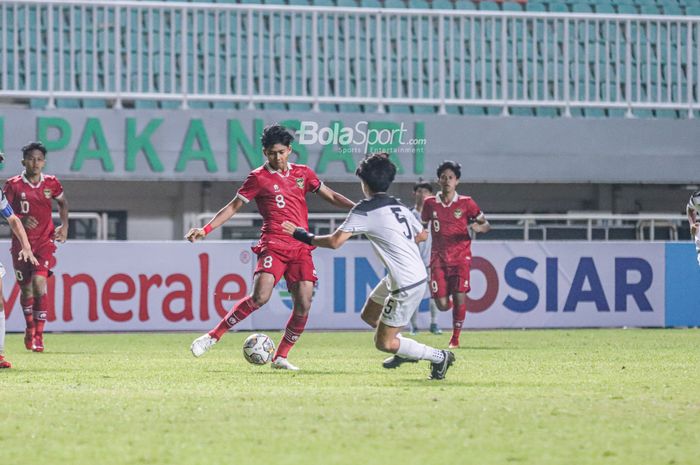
(694, 229)
(195, 234)
(27, 255)
(289, 227)
(61, 234)
(30, 222)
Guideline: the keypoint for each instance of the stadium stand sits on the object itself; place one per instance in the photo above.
(529, 59)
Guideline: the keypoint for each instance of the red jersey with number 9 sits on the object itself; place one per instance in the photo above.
(280, 197)
(449, 227)
(35, 200)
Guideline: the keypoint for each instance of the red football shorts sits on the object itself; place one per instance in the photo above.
(447, 279)
(294, 264)
(25, 270)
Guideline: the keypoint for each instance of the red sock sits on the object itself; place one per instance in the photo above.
(237, 314)
(27, 310)
(295, 326)
(459, 312)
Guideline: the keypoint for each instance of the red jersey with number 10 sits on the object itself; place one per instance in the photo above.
(280, 197)
(35, 200)
(449, 226)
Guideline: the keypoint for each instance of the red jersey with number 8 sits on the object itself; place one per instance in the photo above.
(280, 197)
(35, 200)
(449, 227)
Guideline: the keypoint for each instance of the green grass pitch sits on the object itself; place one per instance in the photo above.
(513, 397)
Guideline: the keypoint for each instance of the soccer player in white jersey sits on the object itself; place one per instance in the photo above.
(24, 254)
(692, 211)
(393, 232)
(421, 191)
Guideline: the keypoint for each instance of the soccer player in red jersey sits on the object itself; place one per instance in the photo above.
(279, 189)
(25, 254)
(449, 216)
(31, 195)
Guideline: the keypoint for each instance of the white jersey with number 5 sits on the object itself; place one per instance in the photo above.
(391, 229)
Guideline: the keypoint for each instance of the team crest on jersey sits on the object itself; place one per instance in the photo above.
(276, 187)
(47, 193)
(300, 183)
(23, 195)
(458, 213)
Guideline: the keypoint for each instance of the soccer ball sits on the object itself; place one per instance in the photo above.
(258, 349)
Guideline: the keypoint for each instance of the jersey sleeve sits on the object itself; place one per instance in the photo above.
(8, 191)
(355, 223)
(5, 208)
(426, 212)
(56, 189)
(416, 225)
(249, 189)
(473, 210)
(313, 184)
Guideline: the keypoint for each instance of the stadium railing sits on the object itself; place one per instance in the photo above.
(569, 226)
(83, 225)
(79, 53)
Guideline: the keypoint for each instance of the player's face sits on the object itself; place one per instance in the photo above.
(421, 194)
(277, 156)
(34, 162)
(448, 181)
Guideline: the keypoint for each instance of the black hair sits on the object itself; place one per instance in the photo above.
(276, 134)
(32, 146)
(450, 165)
(422, 185)
(377, 171)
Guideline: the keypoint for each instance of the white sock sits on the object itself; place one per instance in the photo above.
(414, 350)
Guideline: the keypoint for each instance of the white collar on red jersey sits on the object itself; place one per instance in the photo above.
(24, 178)
(438, 196)
(284, 175)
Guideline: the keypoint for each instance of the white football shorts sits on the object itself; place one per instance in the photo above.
(397, 308)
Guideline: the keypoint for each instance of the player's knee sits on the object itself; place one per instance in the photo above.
(443, 304)
(382, 343)
(260, 299)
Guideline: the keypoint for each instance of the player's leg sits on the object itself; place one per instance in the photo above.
(301, 278)
(23, 274)
(263, 283)
(434, 311)
(459, 286)
(438, 288)
(459, 313)
(696, 238)
(434, 328)
(395, 315)
(3, 363)
(375, 302)
(301, 292)
(40, 308)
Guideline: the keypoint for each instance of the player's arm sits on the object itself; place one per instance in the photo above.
(421, 236)
(334, 198)
(18, 230)
(329, 241)
(692, 219)
(221, 217)
(61, 233)
(481, 224)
